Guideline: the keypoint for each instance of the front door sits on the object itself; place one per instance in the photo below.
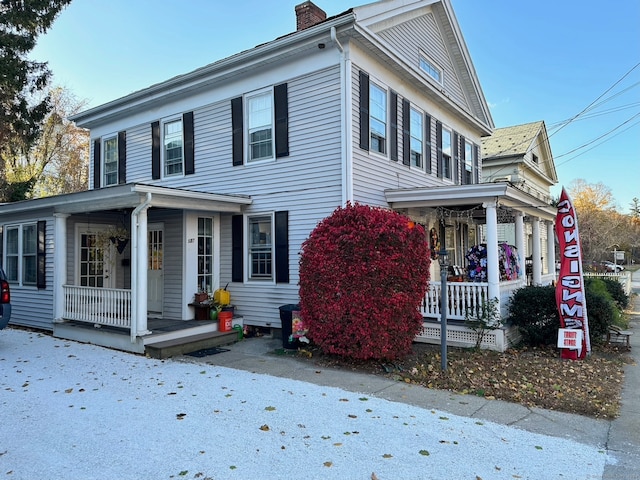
(155, 272)
(95, 267)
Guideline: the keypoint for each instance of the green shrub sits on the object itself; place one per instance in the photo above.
(363, 275)
(615, 288)
(533, 310)
(602, 309)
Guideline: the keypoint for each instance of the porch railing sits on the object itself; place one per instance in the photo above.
(101, 306)
(462, 297)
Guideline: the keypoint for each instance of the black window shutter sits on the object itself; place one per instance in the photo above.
(393, 118)
(96, 163)
(122, 157)
(237, 254)
(463, 163)
(439, 147)
(427, 140)
(476, 163)
(456, 158)
(189, 147)
(406, 132)
(155, 150)
(281, 110)
(282, 247)
(41, 280)
(364, 111)
(237, 128)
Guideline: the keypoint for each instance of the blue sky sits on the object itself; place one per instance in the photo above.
(545, 60)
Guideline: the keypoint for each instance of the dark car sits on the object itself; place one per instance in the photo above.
(5, 300)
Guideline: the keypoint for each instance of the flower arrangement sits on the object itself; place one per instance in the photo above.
(298, 329)
(477, 258)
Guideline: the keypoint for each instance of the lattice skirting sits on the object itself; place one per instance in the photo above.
(461, 336)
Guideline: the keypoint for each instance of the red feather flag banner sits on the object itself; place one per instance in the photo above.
(573, 336)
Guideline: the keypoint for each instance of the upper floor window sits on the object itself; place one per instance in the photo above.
(173, 148)
(446, 152)
(417, 134)
(431, 69)
(260, 124)
(378, 121)
(110, 161)
(534, 158)
(260, 248)
(468, 163)
(21, 254)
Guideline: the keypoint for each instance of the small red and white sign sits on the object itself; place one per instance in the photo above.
(570, 338)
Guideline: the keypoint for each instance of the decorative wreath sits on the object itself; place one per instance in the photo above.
(434, 243)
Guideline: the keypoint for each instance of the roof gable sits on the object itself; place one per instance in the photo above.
(526, 144)
(411, 27)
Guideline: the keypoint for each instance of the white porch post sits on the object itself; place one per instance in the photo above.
(60, 263)
(551, 248)
(536, 251)
(141, 257)
(493, 272)
(519, 223)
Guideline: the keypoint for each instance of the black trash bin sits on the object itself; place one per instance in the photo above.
(286, 318)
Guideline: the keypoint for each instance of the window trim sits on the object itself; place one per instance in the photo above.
(104, 140)
(385, 147)
(249, 250)
(468, 161)
(447, 159)
(264, 92)
(163, 146)
(431, 69)
(421, 132)
(20, 256)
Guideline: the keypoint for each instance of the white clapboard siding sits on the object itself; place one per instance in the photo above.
(422, 34)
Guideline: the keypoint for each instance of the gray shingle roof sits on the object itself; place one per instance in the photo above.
(510, 141)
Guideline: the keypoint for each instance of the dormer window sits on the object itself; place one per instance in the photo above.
(534, 158)
(431, 69)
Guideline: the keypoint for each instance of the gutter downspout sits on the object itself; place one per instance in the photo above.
(345, 135)
(134, 265)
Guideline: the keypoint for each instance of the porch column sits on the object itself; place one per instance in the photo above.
(551, 248)
(536, 251)
(60, 263)
(142, 255)
(493, 271)
(520, 245)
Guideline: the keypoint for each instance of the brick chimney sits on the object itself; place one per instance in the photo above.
(309, 14)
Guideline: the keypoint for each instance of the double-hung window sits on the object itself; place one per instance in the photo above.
(446, 152)
(417, 134)
(110, 161)
(21, 254)
(260, 124)
(468, 162)
(378, 119)
(173, 148)
(260, 247)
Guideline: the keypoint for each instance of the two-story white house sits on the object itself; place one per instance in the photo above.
(217, 176)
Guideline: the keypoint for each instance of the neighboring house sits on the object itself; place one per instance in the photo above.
(521, 155)
(217, 176)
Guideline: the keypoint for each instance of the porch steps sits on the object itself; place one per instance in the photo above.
(192, 343)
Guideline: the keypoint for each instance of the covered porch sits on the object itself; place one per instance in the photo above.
(465, 216)
(114, 295)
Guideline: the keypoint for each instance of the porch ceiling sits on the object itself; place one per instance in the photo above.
(132, 195)
(460, 195)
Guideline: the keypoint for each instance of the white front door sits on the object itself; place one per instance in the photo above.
(155, 272)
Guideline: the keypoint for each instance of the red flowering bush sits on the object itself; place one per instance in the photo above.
(363, 275)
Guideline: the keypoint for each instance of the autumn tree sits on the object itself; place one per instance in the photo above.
(21, 79)
(58, 161)
(601, 225)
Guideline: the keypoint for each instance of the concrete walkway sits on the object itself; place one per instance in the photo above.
(620, 437)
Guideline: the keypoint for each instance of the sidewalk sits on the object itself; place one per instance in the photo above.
(620, 437)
